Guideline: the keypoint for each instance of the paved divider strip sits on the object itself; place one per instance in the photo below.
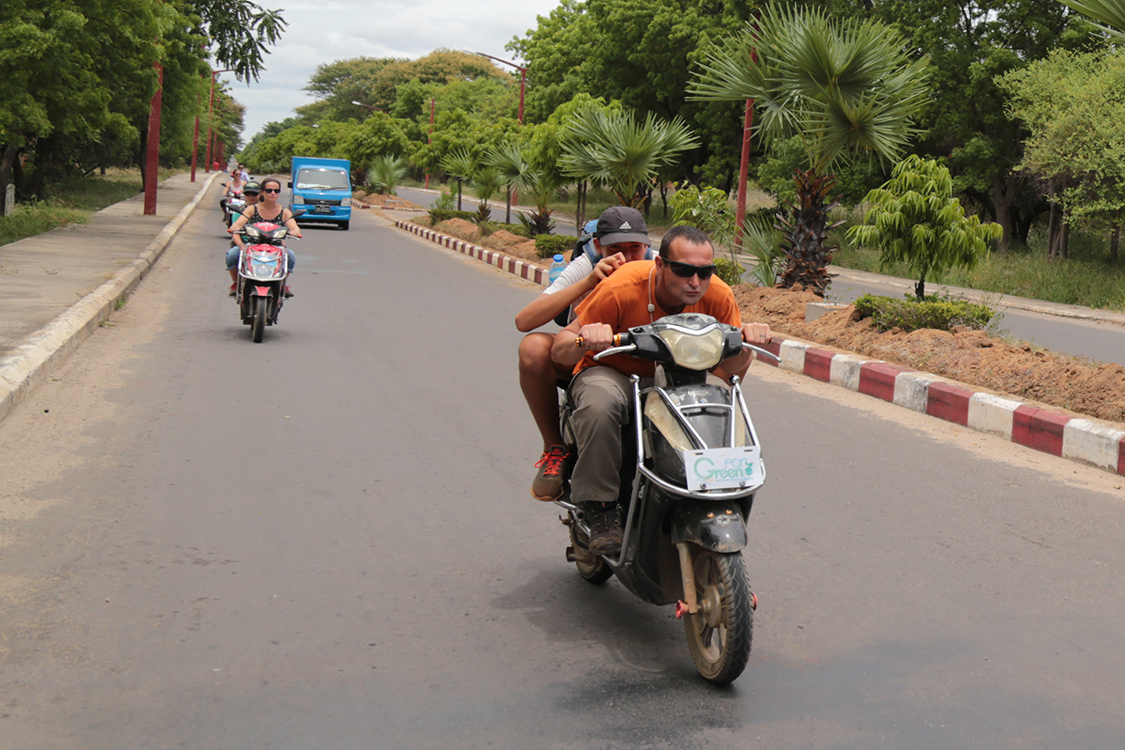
(33, 360)
(1100, 444)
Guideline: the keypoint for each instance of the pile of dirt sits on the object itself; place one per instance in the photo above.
(501, 240)
(512, 244)
(383, 200)
(461, 228)
(971, 357)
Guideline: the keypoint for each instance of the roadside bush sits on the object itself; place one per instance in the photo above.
(729, 270)
(910, 314)
(546, 245)
(438, 215)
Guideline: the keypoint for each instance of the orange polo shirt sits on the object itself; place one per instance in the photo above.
(621, 302)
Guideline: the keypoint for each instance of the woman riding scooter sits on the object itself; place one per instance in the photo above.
(268, 209)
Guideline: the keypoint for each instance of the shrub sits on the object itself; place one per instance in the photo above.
(438, 215)
(729, 270)
(546, 245)
(911, 314)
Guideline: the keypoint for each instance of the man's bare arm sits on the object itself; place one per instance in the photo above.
(546, 307)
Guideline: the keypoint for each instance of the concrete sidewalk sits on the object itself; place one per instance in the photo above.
(57, 288)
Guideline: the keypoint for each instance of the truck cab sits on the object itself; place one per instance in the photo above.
(322, 188)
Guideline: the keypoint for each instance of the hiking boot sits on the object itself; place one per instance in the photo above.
(605, 528)
(548, 483)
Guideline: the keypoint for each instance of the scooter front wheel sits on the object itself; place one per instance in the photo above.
(261, 312)
(720, 633)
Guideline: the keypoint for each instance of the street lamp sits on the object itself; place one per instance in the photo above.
(523, 79)
(371, 107)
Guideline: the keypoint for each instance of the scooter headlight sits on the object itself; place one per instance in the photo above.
(695, 350)
(251, 231)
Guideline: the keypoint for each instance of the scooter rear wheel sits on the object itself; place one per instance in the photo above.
(720, 634)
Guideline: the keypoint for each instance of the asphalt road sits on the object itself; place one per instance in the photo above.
(326, 540)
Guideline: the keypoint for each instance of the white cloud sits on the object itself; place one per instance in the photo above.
(323, 32)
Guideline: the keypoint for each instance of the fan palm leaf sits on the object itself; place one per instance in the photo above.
(845, 87)
(612, 148)
(1109, 13)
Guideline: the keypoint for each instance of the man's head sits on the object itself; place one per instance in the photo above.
(622, 230)
(251, 191)
(684, 268)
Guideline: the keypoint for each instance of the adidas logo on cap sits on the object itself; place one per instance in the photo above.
(625, 225)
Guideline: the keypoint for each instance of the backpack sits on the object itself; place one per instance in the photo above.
(585, 245)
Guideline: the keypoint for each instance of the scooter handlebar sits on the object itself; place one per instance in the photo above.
(760, 351)
(619, 339)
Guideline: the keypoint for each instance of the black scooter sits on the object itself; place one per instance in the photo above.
(687, 494)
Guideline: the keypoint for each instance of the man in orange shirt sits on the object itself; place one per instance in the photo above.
(679, 280)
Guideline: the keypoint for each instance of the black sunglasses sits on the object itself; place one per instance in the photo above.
(250, 192)
(686, 270)
(271, 190)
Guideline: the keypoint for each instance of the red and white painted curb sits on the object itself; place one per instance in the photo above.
(520, 268)
(1101, 444)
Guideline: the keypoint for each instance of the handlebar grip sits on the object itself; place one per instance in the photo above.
(619, 339)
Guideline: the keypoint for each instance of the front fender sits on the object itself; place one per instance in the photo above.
(717, 526)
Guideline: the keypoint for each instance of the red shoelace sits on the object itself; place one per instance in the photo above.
(552, 461)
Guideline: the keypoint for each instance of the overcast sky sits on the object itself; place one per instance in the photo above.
(328, 30)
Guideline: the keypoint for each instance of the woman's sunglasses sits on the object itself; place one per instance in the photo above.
(271, 190)
(686, 270)
(250, 192)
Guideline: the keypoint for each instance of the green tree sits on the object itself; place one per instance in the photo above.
(340, 83)
(639, 52)
(460, 165)
(915, 219)
(615, 149)
(842, 86)
(1073, 106)
(386, 172)
(970, 45)
(78, 78)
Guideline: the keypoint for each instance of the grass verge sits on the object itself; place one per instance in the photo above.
(1021, 272)
(72, 202)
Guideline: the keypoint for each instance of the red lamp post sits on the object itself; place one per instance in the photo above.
(515, 196)
(430, 137)
(210, 126)
(523, 79)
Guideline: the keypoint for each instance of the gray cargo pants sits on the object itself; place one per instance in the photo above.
(603, 407)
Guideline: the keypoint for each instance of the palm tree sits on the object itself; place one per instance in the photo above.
(1111, 14)
(515, 172)
(486, 183)
(460, 165)
(386, 172)
(843, 86)
(511, 169)
(612, 148)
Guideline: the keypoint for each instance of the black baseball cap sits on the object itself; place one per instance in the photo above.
(621, 224)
